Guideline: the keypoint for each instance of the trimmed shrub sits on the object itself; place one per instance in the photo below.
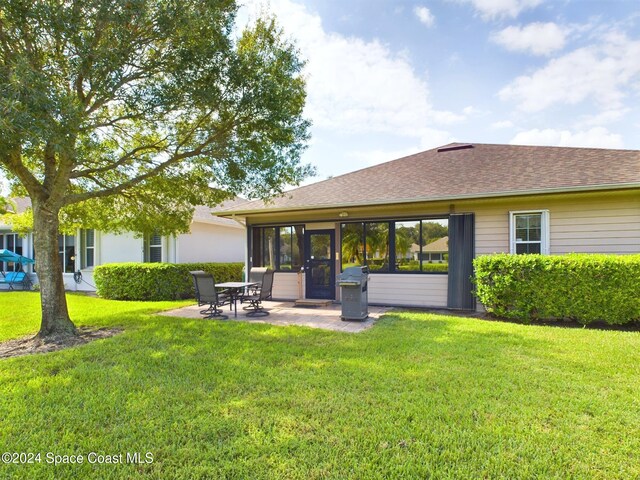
(157, 281)
(435, 267)
(414, 266)
(583, 287)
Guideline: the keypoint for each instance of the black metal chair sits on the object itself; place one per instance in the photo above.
(206, 294)
(255, 307)
(255, 275)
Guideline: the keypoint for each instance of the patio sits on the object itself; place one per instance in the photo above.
(286, 313)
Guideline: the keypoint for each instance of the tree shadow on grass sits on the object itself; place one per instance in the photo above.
(30, 345)
(232, 399)
(559, 323)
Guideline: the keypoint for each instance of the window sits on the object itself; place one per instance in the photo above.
(290, 247)
(366, 244)
(352, 244)
(12, 242)
(407, 246)
(153, 248)
(377, 246)
(67, 252)
(397, 246)
(279, 248)
(529, 232)
(87, 242)
(264, 247)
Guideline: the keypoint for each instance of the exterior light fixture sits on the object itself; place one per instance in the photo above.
(343, 214)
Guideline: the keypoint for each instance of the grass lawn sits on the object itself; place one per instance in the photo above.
(417, 396)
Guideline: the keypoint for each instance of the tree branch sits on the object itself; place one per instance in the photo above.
(93, 126)
(176, 158)
(13, 162)
(121, 161)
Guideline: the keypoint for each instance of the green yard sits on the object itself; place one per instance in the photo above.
(417, 396)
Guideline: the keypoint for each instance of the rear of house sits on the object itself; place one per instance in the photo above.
(419, 221)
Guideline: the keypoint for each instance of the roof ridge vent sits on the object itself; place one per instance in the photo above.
(450, 148)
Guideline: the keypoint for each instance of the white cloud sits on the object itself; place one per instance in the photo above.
(597, 72)
(447, 118)
(354, 85)
(431, 138)
(470, 110)
(598, 137)
(367, 158)
(424, 15)
(537, 38)
(502, 124)
(490, 9)
(602, 118)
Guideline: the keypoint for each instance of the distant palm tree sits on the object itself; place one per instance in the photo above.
(377, 243)
(352, 244)
(403, 244)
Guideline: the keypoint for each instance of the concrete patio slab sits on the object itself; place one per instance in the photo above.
(286, 313)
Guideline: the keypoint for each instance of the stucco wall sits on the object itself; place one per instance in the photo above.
(114, 248)
(211, 243)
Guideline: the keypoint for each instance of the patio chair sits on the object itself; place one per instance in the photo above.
(13, 279)
(255, 307)
(255, 275)
(206, 294)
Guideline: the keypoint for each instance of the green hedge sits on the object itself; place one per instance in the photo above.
(157, 281)
(414, 266)
(583, 287)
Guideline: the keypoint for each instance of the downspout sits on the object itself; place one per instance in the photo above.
(176, 257)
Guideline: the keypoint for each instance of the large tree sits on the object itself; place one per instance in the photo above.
(124, 114)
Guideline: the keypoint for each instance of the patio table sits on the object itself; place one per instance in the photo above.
(235, 289)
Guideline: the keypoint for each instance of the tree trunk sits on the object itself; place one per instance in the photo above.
(56, 324)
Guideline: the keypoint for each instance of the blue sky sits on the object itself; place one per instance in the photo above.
(386, 78)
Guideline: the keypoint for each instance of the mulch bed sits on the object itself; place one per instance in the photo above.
(29, 345)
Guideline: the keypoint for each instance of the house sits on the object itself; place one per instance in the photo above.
(211, 239)
(435, 251)
(486, 198)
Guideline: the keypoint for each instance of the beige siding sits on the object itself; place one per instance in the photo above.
(492, 229)
(408, 290)
(603, 226)
(285, 286)
(604, 223)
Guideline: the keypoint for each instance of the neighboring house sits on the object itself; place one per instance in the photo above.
(491, 198)
(433, 252)
(211, 239)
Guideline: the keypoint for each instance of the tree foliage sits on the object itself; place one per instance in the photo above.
(7, 207)
(123, 115)
(131, 112)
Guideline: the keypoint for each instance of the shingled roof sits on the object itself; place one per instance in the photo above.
(439, 245)
(201, 213)
(205, 214)
(460, 170)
